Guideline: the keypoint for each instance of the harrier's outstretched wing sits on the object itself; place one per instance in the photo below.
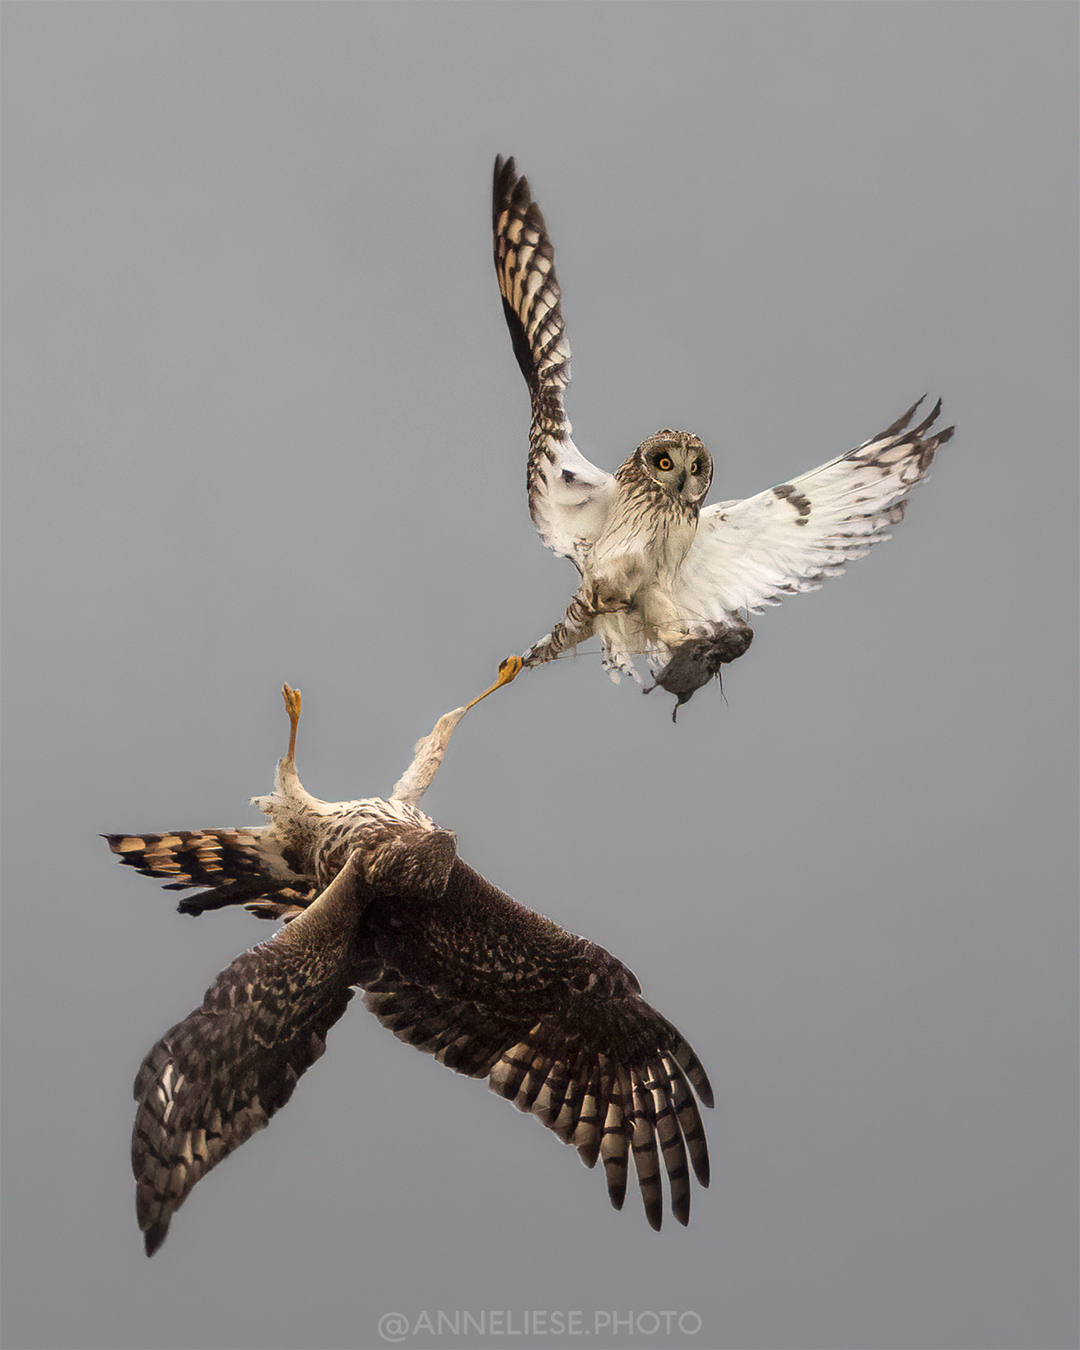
(569, 498)
(555, 1023)
(790, 538)
(221, 1073)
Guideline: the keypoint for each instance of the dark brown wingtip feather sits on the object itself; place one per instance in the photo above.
(614, 1135)
(939, 437)
(642, 1125)
(930, 419)
(698, 1077)
(693, 1132)
(917, 435)
(511, 190)
(901, 422)
(504, 181)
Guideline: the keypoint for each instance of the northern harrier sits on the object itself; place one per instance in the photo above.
(375, 895)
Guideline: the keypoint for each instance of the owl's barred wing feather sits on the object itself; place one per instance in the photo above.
(532, 300)
(237, 867)
(569, 498)
(790, 538)
(219, 1075)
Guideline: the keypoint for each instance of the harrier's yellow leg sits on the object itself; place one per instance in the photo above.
(508, 671)
(292, 707)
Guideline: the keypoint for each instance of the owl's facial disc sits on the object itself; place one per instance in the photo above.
(679, 463)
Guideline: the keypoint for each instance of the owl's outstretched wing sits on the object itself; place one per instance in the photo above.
(219, 1075)
(569, 498)
(555, 1023)
(236, 867)
(790, 538)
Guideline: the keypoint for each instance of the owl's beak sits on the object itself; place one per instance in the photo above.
(682, 480)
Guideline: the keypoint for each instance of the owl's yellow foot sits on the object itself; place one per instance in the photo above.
(508, 671)
(292, 707)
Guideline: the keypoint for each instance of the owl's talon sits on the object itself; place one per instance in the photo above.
(508, 671)
(292, 707)
(600, 599)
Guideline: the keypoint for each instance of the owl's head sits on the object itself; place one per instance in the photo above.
(677, 462)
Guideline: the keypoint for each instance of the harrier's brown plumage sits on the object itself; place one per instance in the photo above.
(378, 898)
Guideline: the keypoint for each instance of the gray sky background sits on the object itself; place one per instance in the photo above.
(263, 423)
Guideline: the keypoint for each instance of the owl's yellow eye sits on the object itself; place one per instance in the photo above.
(695, 468)
(663, 462)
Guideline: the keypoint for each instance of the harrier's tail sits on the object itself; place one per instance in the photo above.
(235, 867)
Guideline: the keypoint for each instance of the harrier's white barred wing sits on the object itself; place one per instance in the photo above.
(569, 498)
(789, 538)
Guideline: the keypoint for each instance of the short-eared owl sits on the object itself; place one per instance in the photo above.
(661, 576)
(375, 895)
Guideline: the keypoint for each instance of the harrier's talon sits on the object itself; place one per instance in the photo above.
(292, 707)
(508, 671)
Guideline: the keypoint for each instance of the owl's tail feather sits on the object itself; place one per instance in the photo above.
(235, 867)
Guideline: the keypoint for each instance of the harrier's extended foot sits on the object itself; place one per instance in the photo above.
(508, 671)
(292, 707)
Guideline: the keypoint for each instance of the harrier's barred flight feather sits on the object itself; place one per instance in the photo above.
(662, 576)
(375, 896)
